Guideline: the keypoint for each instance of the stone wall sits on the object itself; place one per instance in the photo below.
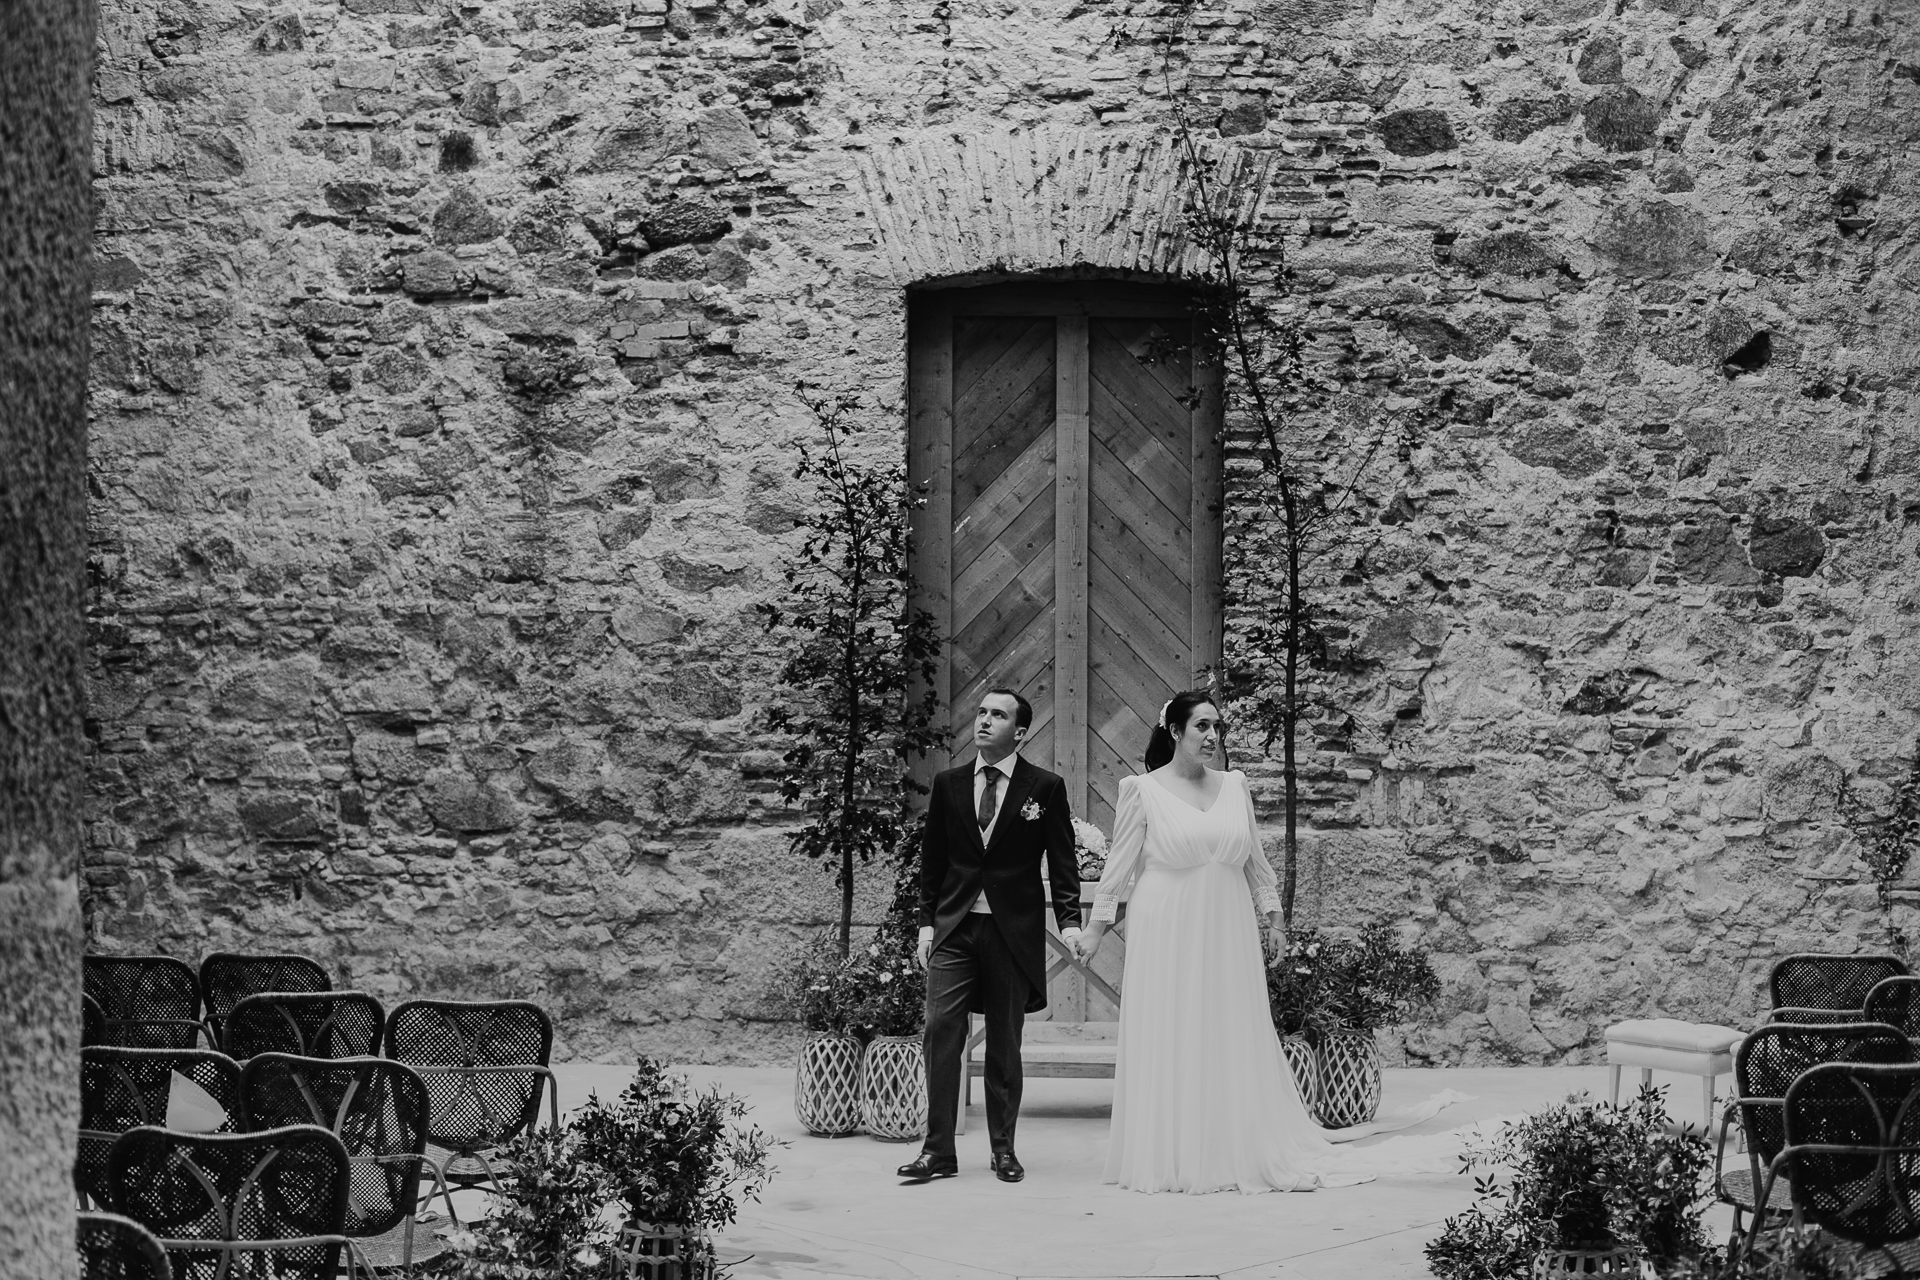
(444, 416)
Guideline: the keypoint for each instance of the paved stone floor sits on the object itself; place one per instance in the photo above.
(836, 1210)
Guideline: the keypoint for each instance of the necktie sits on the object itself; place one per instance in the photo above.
(987, 798)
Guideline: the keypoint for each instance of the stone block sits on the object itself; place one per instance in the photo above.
(364, 73)
(1417, 131)
(1654, 238)
(270, 691)
(724, 136)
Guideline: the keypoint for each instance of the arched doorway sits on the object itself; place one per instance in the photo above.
(1068, 438)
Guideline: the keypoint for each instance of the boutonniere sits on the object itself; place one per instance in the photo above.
(1030, 811)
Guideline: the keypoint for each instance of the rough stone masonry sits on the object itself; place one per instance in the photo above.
(443, 427)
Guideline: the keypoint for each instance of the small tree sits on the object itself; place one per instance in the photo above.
(857, 653)
(1302, 525)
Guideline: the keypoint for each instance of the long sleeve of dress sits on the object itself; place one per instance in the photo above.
(1260, 877)
(1125, 854)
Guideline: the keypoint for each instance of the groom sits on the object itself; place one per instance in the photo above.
(983, 922)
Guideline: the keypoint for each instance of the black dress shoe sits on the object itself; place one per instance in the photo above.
(1006, 1167)
(925, 1167)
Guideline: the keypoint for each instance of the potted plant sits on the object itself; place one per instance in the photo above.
(1334, 993)
(1590, 1189)
(678, 1162)
(892, 1011)
(823, 989)
(546, 1223)
(1292, 998)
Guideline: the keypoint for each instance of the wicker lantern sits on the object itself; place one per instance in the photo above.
(1349, 1078)
(661, 1253)
(893, 1090)
(826, 1085)
(1588, 1264)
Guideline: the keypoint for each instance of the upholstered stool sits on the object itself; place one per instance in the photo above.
(1668, 1044)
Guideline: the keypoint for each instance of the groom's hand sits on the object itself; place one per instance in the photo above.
(925, 947)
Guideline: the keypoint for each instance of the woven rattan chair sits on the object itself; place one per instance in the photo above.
(378, 1110)
(121, 1089)
(269, 1205)
(485, 1065)
(1896, 1002)
(143, 1002)
(93, 1022)
(1827, 988)
(227, 978)
(114, 1247)
(1765, 1064)
(308, 1024)
(1852, 1160)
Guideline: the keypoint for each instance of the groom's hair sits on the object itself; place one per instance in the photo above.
(1023, 710)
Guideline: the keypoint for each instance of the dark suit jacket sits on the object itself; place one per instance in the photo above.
(955, 866)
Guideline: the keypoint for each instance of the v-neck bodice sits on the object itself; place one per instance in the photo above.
(1171, 794)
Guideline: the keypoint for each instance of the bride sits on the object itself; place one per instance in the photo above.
(1203, 1099)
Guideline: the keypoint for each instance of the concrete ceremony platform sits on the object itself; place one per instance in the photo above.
(835, 1208)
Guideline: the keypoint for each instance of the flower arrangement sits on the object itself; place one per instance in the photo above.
(1581, 1175)
(1325, 983)
(815, 982)
(880, 989)
(887, 984)
(1090, 850)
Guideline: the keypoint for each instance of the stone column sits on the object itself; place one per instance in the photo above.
(46, 219)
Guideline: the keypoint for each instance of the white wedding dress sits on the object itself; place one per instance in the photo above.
(1203, 1099)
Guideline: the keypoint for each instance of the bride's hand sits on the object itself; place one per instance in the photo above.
(1277, 942)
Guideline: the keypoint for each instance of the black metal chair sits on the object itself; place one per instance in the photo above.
(1896, 1002)
(227, 978)
(378, 1110)
(1818, 988)
(1852, 1160)
(1765, 1065)
(270, 1205)
(121, 1089)
(484, 1064)
(115, 1247)
(142, 1002)
(308, 1024)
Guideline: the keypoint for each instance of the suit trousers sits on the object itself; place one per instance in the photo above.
(973, 964)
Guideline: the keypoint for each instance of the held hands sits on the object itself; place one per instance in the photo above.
(1088, 942)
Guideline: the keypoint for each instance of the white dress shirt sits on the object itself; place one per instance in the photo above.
(1005, 767)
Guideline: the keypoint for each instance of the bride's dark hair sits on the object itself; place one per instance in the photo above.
(1179, 711)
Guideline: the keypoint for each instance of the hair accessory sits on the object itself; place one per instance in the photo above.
(1164, 708)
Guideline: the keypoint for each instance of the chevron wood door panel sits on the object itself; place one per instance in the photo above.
(1140, 603)
(1002, 562)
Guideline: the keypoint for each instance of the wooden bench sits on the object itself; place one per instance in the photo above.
(1065, 1042)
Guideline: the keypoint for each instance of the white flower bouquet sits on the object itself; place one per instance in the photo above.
(1090, 850)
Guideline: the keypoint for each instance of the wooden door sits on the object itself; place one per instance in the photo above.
(1068, 441)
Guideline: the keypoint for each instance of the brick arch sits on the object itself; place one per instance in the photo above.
(947, 206)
